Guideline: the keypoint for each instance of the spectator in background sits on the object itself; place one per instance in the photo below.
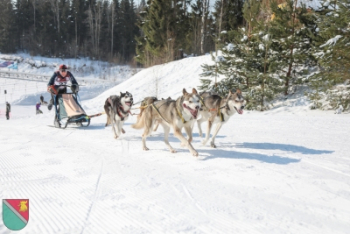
(37, 106)
(42, 102)
(8, 110)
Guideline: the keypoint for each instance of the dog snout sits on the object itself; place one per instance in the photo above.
(242, 107)
(197, 107)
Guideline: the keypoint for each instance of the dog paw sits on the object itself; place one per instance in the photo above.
(115, 137)
(173, 151)
(212, 145)
(145, 148)
(123, 131)
(195, 153)
(204, 142)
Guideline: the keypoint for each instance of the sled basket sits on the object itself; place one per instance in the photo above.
(69, 110)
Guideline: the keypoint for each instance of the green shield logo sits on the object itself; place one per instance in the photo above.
(15, 213)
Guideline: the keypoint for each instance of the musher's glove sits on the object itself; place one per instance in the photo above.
(75, 88)
(51, 89)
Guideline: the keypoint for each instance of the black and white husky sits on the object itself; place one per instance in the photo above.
(117, 109)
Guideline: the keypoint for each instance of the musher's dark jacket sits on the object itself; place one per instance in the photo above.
(58, 79)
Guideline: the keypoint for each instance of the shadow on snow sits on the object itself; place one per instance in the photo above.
(218, 153)
(283, 147)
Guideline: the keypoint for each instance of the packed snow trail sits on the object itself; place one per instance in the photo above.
(266, 176)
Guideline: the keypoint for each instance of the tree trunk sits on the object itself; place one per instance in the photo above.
(286, 84)
(112, 29)
(76, 36)
(204, 19)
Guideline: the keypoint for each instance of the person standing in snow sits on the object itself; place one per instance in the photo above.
(37, 106)
(8, 110)
(58, 83)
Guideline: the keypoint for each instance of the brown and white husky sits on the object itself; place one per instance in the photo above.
(176, 114)
(218, 110)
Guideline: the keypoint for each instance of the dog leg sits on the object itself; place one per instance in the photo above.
(114, 126)
(207, 135)
(179, 135)
(166, 136)
(123, 131)
(156, 127)
(188, 130)
(119, 125)
(108, 113)
(199, 124)
(218, 127)
(144, 136)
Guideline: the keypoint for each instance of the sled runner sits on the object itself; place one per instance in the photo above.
(69, 111)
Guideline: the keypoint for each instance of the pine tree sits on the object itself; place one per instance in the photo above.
(45, 31)
(292, 41)
(246, 62)
(229, 14)
(157, 25)
(79, 29)
(332, 46)
(7, 36)
(195, 26)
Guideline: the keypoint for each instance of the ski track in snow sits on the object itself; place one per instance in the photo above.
(82, 180)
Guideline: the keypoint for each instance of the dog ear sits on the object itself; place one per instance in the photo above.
(194, 91)
(184, 91)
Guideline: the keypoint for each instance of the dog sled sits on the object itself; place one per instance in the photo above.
(69, 111)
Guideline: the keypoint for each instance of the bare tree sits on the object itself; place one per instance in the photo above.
(94, 20)
(55, 8)
(112, 27)
(204, 19)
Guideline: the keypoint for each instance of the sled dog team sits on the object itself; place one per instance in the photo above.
(176, 114)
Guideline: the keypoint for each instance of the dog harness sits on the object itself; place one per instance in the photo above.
(124, 112)
(120, 109)
(221, 115)
(154, 106)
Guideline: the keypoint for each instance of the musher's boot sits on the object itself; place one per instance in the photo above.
(49, 106)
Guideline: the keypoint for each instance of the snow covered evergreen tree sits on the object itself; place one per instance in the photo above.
(291, 27)
(332, 49)
(246, 62)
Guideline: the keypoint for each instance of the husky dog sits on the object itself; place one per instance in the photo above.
(148, 101)
(218, 110)
(157, 123)
(117, 109)
(170, 113)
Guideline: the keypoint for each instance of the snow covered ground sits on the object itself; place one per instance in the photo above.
(282, 171)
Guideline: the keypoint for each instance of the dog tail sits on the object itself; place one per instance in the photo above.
(142, 119)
